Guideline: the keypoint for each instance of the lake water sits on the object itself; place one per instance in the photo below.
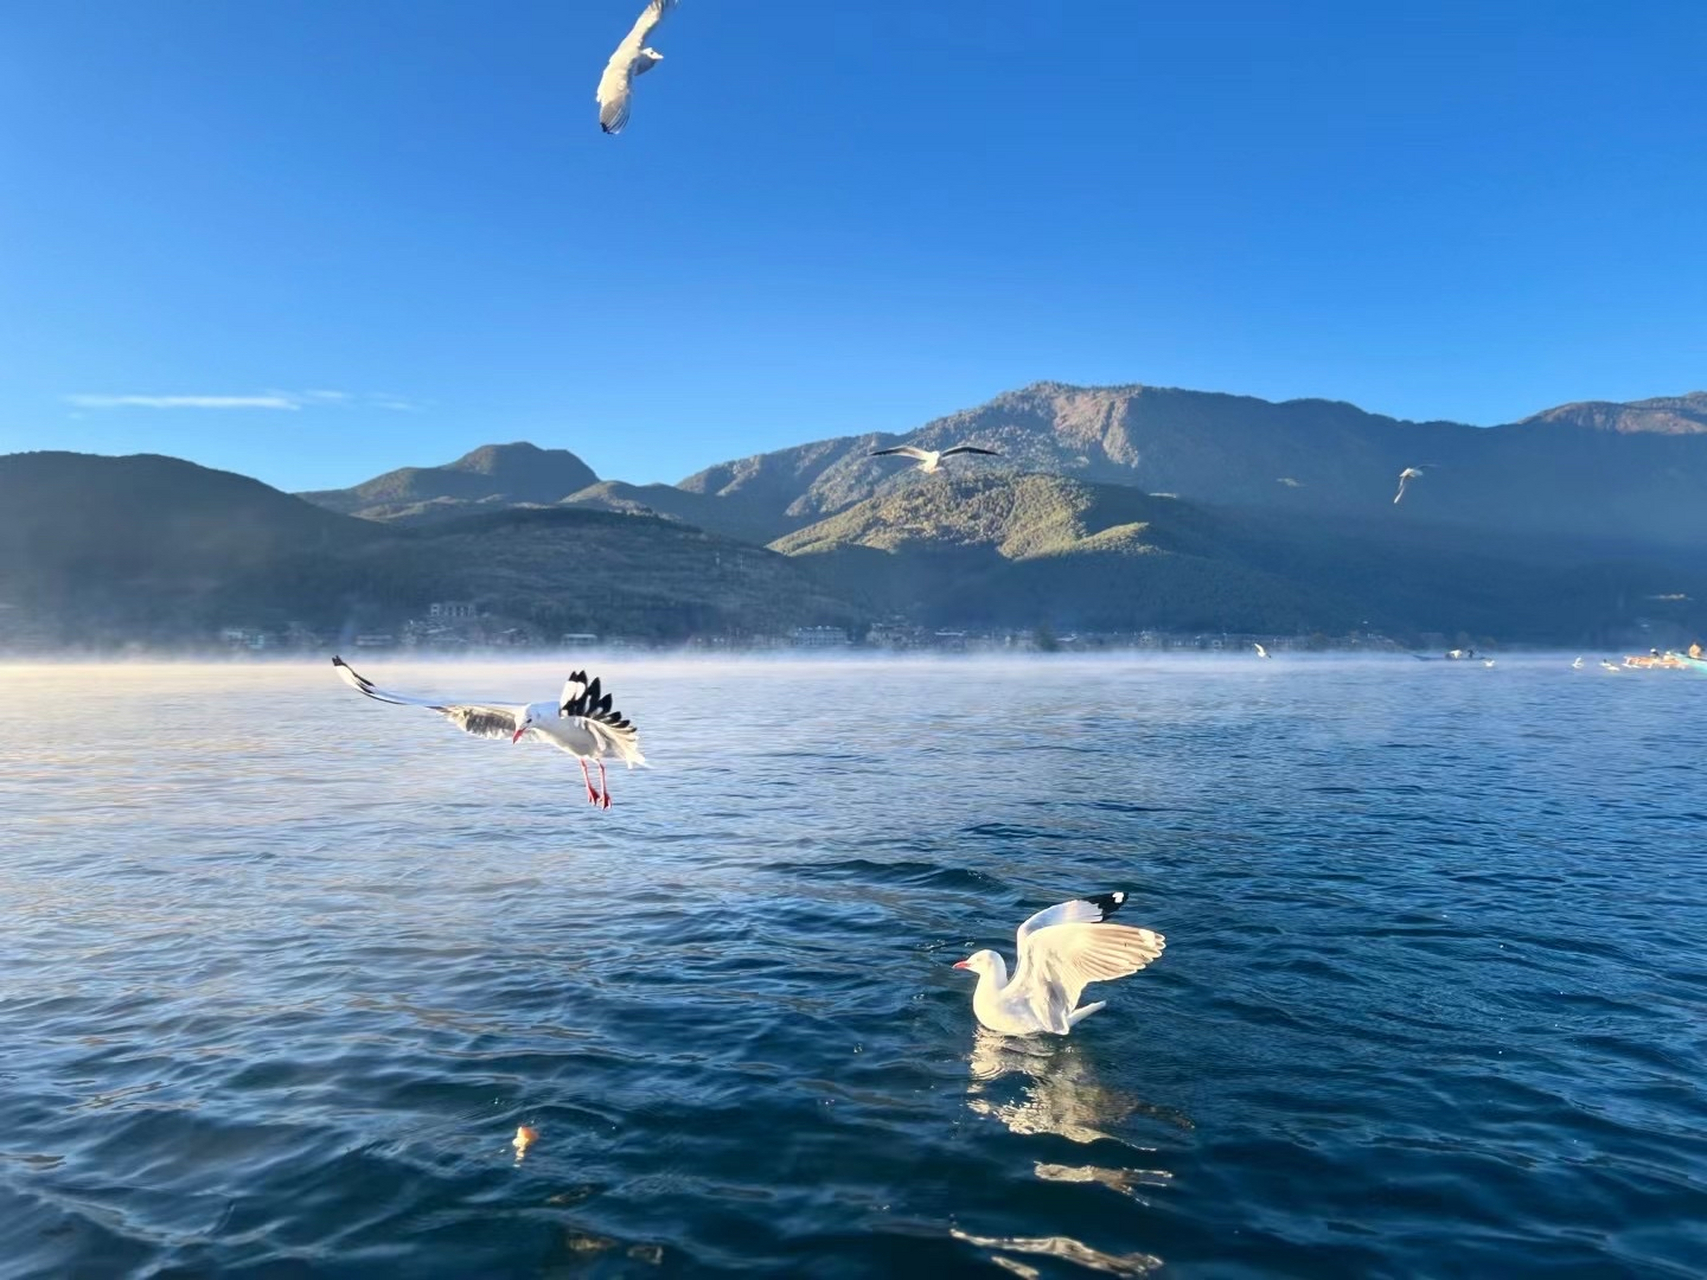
(282, 971)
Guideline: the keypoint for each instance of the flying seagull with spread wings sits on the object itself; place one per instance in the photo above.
(1061, 950)
(930, 459)
(1405, 477)
(632, 58)
(580, 722)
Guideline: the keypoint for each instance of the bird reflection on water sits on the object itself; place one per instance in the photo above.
(1061, 1093)
(1058, 1093)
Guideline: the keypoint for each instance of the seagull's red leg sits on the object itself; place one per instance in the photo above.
(603, 785)
(592, 796)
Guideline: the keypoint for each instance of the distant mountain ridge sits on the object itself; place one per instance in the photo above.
(492, 476)
(1016, 550)
(157, 549)
(1634, 472)
(1663, 415)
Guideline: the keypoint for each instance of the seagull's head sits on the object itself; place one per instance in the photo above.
(652, 54)
(980, 962)
(525, 720)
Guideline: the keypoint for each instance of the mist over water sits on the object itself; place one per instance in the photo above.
(283, 970)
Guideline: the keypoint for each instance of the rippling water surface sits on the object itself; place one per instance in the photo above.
(282, 972)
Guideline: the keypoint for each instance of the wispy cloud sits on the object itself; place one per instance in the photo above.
(185, 402)
(288, 400)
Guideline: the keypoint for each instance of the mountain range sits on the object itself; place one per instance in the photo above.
(1110, 508)
(1633, 473)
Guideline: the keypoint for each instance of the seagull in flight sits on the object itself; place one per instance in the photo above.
(930, 459)
(1061, 949)
(1578, 664)
(580, 722)
(1261, 652)
(1405, 477)
(632, 58)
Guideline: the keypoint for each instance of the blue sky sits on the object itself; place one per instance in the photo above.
(329, 238)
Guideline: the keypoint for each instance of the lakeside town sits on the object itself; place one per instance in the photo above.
(453, 627)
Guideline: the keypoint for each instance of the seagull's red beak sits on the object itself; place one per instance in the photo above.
(961, 964)
(518, 737)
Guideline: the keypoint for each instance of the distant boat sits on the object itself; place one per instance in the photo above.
(1656, 661)
(1460, 655)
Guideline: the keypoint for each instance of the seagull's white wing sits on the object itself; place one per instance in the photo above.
(905, 450)
(1057, 962)
(1086, 910)
(483, 720)
(971, 448)
(617, 82)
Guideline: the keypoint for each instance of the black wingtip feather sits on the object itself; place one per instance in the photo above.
(1108, 902)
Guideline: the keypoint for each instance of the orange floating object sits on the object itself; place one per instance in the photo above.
(523, 1140)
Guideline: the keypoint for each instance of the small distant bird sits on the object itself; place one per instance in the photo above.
(1610, 665)
(1261, 652)
(1405, 477)
(632, 58)
(1061, 949)
(1578, 664)
(580, 722)
(1487, 662)
(930, 459)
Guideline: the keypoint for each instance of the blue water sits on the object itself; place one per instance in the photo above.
(282, 971)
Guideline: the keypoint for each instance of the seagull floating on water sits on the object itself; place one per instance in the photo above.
(1610, 665)
(580, 722)
(632, 58)
(1061, 949)
(930, 459)
(1405, 477)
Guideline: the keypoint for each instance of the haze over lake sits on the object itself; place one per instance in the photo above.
(284, 970)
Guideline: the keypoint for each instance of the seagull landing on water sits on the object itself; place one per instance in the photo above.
(930, 459)
(1261, 652)
(632, 58)
(1405, 477)
(580, 722)
(1061, 949)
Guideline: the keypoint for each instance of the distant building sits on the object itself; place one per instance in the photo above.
(243, 638)
(819, 638)
(447, 609)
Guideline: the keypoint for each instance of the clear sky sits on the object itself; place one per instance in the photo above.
(311, 240)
